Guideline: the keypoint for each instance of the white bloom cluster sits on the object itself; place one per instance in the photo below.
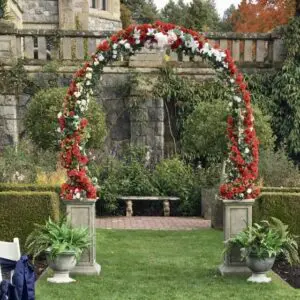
(162, 40)
(218, 55)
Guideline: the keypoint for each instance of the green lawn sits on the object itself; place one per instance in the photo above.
(140, 265)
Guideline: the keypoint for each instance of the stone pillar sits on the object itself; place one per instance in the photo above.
(82, 214)
(73, 14)
(237, 216)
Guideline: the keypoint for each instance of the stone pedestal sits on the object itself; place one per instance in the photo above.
(237, 216)
(82, 214)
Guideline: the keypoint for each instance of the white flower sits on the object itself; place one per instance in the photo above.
(247, 150)
(137, 41)
(162, 40)
(232, 80)
(115, 46)
(88, 75)
(122, 42)
(96, 62)
(237, 99)
(127, 46)
(249, 191)
(101, 57)
(59, 115)
(83, 102)
(172, 37)
(230, 104)
(151, 31)
(89, 69)
(58, 130)
(77, 94)
(251, 128)
(88, 82)
(77, 196)
(136, 34)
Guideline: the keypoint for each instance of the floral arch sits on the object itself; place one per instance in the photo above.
(242, 161)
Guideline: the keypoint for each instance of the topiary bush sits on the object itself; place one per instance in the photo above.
(41, 119)
(21, 210)
(204, 131)
(283, 205)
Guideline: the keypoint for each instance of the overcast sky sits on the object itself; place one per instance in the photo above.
(221, 5)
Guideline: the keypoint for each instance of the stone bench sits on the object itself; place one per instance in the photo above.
(130, 199)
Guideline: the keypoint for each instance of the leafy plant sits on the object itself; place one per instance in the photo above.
(41, 119)
(56, 238)
(204, 132)
(266, 239)
(173, 177)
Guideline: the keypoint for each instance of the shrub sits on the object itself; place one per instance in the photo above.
(283, 205)
(276, 169)
(173, 177)
(20, 164)
(205, 131)
(126, 176)
(21, 210)
(41, 119)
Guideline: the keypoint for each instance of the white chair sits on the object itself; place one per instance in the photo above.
(11, 251)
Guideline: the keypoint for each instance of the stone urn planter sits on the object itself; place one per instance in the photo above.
(259, 268)
(62, 264)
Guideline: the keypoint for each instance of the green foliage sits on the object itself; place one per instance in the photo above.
(125, 16)
(173, 177)
(143, 11)
(55, 238)
(3, 9)
(205, 131)
(198, 15)
(16, 187)
(20, 165)
(226, 25)
(279, 94)
(41, 119)
(266, 239)
(280, 204)
(276, 169)
(20, 210)
(127, 175)
(14, 80)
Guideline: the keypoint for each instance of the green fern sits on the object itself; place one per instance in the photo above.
(57, 237)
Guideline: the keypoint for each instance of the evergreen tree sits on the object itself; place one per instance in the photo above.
(227, 25)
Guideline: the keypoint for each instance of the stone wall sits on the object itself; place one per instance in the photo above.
(97, 23)
(42, 14)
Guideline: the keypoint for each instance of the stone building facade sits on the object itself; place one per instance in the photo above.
(91, 15)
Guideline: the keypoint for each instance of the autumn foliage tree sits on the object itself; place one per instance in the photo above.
(262, 15)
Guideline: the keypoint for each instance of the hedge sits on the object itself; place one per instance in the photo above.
(19, 211)
(282, 205)
(29, 187)
(280, 189)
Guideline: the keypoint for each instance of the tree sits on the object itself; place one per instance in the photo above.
(262, 15)
(143, 11)
(126, 16)
(174, 12)
(200, 15)
(227, 25)
(298, 8)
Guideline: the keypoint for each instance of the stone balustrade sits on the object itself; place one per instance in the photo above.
(40, 46)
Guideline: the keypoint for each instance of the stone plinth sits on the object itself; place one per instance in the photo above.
(237, 216)
(82, 214)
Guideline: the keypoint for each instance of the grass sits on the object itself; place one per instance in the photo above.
(162, 265)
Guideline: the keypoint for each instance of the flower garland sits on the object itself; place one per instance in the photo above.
(242, 163)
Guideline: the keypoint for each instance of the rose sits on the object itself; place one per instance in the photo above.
(104, 46)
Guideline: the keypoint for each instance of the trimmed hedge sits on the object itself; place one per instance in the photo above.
(280, 189)
(29, 187)
(19, 211)
(283, 205)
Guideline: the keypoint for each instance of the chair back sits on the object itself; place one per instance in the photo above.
(11, 251)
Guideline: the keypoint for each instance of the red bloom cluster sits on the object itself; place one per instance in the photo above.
(247, 171)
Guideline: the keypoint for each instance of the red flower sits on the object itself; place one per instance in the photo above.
(104, 46)
(83, 123)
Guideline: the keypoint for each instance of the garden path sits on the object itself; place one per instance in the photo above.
(152, 223)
